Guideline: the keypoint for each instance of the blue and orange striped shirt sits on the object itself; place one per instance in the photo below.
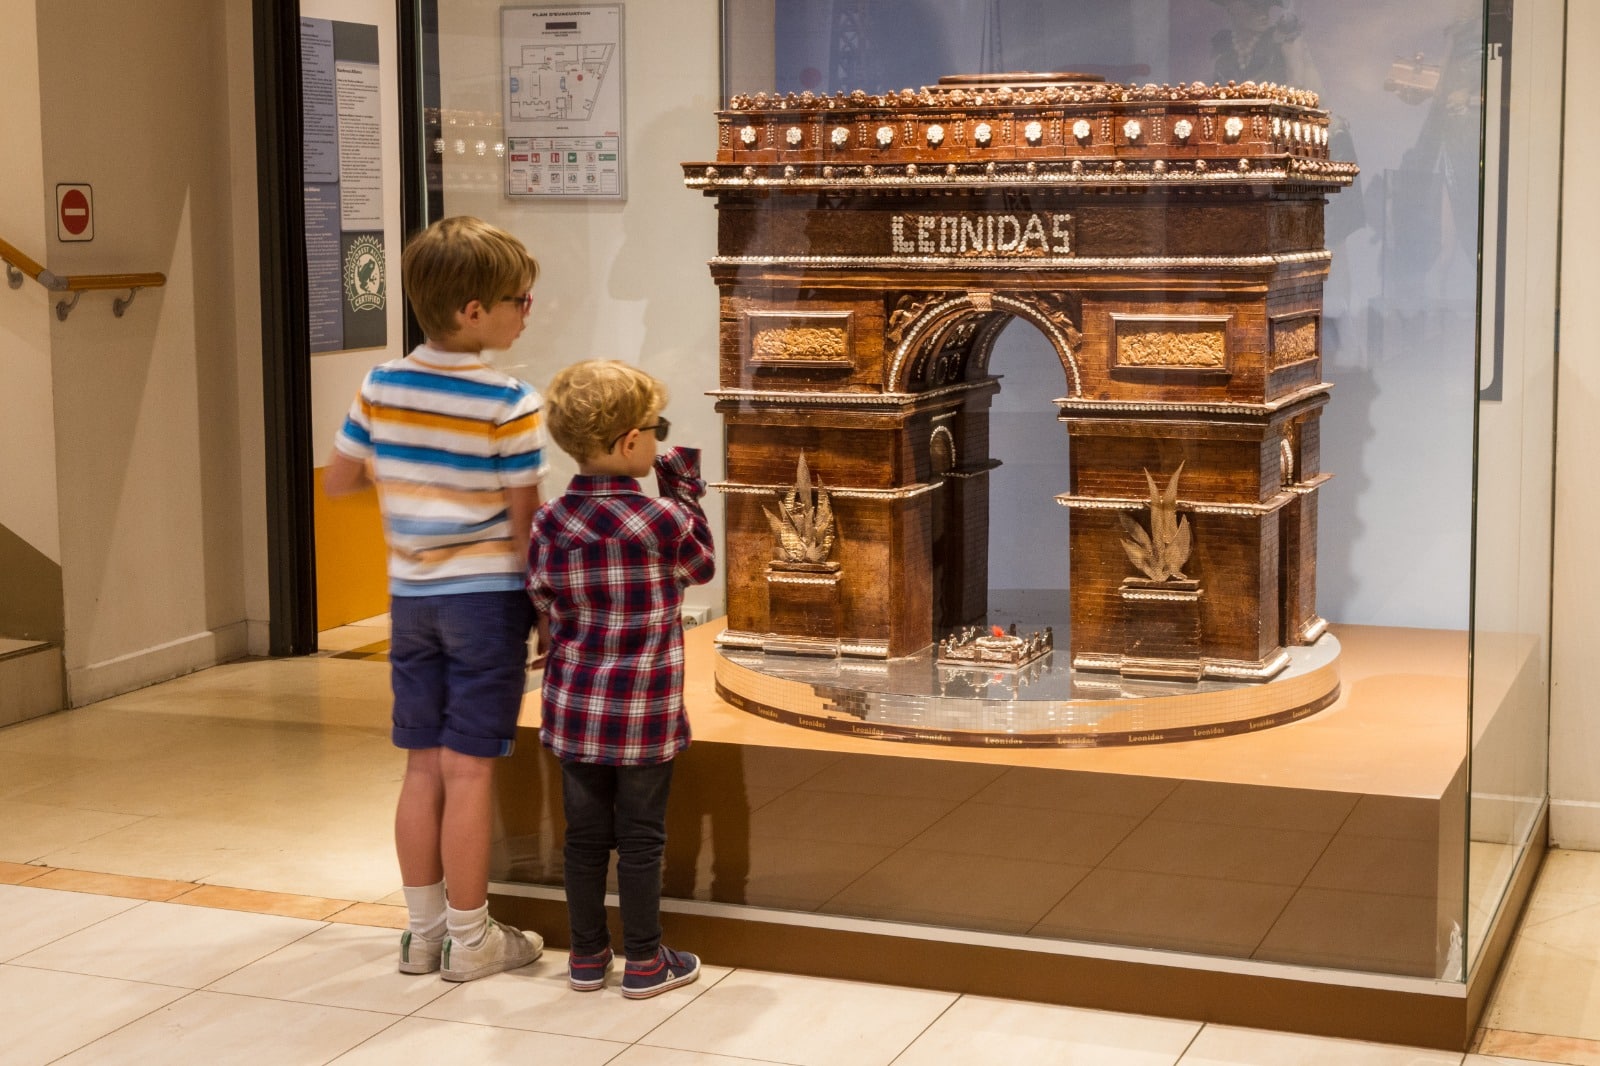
(447, 435)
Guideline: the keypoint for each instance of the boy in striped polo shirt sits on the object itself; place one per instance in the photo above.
(456, 449)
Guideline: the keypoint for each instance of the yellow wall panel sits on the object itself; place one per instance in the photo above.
(352, 573)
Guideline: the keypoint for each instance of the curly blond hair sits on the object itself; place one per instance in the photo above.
(457, 260)
(590, 404)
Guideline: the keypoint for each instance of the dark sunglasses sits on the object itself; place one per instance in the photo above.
(524, 302)
(661, 426)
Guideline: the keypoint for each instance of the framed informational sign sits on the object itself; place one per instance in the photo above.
(345, 258)
(562, 72)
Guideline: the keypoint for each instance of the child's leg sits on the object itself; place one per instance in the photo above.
(416, 819)
(464, 827)
(641, 833)
(587, 796)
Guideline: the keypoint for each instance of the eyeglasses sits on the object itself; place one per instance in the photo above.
(524, 302)
(660, 428)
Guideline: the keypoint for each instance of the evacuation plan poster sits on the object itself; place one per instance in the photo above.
(563, 101)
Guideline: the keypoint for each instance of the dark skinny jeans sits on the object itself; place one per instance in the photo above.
(621, 808)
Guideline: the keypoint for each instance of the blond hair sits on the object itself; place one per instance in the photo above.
(590, 404)
(457, 260)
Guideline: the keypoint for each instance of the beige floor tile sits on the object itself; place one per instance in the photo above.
(327, 872)
(639, 1055)
(23, 771)
(1534, 1047)
(163, 943)
(378, 915)
(30, 831)
(835, 817)
(46, 1015)
(99, 884)
(458, 1044)
(980, 1031)
(1576, 872)
(1219, 852)
(963, 891)
(537, 998)
(173, 849)
(1547, 986)
(208, 1027)
(1182, 913)
(1135, 797)
(17, 873)
(1027, 833)
(1258, 808)
(750, 1014)
(1225, 1046)
(337, 966)
(315, 908)
(36, 917)
(1358, 931)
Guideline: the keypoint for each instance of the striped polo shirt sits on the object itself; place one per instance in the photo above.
(447, 435)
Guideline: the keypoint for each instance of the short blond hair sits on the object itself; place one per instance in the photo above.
(457, 260)
(590, 404)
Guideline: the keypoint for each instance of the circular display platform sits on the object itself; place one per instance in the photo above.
(1045, 705)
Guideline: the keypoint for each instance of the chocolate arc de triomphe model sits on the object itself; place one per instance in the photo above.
(1166, 240)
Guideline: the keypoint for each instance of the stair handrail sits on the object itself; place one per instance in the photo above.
(20, 266)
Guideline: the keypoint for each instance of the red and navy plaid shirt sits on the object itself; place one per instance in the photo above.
(608, 565)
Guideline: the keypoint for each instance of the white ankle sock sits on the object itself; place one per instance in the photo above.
(467, 928)
(426, 905)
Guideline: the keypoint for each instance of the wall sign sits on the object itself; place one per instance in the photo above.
(74, 213)
(563, 101)
(346, 263)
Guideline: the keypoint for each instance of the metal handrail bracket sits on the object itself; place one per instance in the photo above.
(20, 267)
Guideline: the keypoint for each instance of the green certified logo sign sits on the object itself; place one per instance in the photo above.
(364, 286)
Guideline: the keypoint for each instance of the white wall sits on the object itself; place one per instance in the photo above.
(27, 430)
(617, 280)
(140, 100)
(1575, 708)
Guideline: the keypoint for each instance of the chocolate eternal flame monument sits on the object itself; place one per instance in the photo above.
(1166, 240)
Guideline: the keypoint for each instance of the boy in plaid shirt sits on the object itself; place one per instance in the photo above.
(608, 566)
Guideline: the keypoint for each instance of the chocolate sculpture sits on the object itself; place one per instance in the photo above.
(1166, 240)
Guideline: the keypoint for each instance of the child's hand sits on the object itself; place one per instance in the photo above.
(541, 645)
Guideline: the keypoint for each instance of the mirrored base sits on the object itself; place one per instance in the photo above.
(1046, 704)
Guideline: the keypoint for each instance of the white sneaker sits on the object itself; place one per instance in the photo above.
(418, 954)
(503, 948)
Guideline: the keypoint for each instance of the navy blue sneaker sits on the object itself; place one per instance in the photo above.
(669, 969)
(588, 972)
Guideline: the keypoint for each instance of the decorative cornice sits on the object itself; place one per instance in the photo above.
(1033, 264)
(1112, 173)
(904, 492)
(1063, 92)
(881, 400)
(1073, 408)
(1134, 503)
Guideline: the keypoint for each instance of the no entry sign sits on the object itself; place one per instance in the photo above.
(74, 213)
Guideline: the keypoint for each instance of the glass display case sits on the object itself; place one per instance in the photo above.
(1132, 428)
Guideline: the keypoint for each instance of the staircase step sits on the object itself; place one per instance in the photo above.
(32, 681)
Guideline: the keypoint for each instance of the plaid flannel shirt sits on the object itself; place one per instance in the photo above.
(608, 565)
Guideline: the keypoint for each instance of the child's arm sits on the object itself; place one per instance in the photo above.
(678, 476)
(344, 475)
(521, 502)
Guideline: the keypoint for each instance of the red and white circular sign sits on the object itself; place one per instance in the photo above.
(74, 213)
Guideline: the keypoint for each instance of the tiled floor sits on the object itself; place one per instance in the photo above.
(201, 872)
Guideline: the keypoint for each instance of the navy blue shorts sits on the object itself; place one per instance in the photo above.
(458, 665)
